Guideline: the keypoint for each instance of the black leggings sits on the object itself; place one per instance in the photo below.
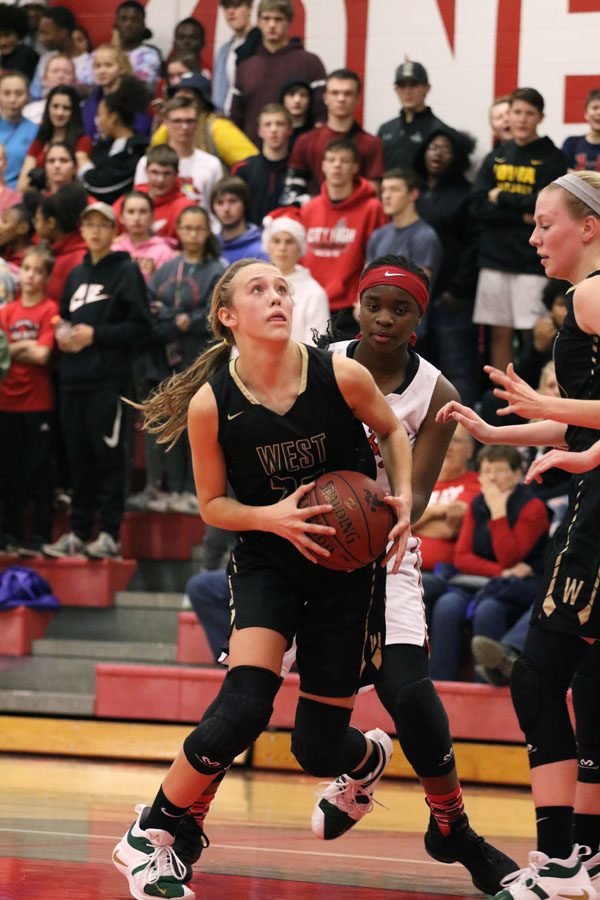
(558, 662)
(408, 694)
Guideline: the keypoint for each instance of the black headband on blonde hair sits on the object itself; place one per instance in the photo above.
(580, 189)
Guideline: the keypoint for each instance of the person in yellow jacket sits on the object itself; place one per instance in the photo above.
(215, 134)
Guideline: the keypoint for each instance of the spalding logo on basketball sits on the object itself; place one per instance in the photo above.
(360, 517)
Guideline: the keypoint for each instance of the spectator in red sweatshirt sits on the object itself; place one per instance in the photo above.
(305, 174)
(503, 538)
(339, 222)
(57, 226)
(164, 188)
(260, 78)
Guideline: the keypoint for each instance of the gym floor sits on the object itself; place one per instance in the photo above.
(60, 819)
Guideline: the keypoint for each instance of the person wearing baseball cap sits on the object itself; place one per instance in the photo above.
(403, 136)
(214, 133)
(105, 308)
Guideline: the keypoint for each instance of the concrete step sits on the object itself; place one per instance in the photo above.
(38, 673)
(158, 625)
(51, 702)
(149, 599)
(103, 650)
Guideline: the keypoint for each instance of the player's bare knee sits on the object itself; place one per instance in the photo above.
(239, 715)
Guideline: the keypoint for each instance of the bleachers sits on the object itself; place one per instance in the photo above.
(116, 655)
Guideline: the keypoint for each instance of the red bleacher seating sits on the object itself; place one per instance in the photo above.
(151, 535)
(477, 712)
(19, 627)
(192, 643)
(77, 581)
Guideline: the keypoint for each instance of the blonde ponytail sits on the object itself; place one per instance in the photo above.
(165, 410)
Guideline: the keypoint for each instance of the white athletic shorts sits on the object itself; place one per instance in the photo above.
(508, 299)
(404, 610)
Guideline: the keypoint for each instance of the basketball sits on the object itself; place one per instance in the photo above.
(360, 517)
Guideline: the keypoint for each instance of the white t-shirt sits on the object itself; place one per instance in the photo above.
(311, 306)
(198, 173)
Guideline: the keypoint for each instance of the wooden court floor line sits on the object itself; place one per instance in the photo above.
(73, 811)
(250, 848)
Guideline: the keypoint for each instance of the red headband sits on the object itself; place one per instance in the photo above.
(401, 278)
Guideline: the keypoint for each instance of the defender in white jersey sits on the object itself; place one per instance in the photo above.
(393, 295)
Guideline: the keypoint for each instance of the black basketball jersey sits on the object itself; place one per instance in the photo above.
(268, 456)
(577, 360)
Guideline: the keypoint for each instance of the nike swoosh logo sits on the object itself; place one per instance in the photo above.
(584, 895)
(394, 274)
(117, 859)
(170, 815)
(234, 416)
(113, 440)
(163, 891)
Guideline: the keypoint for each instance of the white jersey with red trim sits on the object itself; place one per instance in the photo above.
(404, 613)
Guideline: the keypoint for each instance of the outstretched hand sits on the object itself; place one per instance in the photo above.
(468, 418)
(562, 459)
(521, 398)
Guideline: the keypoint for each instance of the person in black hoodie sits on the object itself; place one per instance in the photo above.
(265, 173)
(450, 336)
(104, 313)
(511, 277)
(296, 97)
(111, 172)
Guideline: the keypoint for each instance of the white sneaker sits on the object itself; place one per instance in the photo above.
(139, 502)
(592, 867)
(186, 503)
(68, 544)
(346, 800)
(159, 502)
(549, 879)
(104, 547)
(147, 860)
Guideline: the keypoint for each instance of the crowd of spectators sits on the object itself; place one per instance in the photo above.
(129, 181)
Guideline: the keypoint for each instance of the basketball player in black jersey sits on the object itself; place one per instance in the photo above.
(269, 422)
(562, 646)
(393, 294)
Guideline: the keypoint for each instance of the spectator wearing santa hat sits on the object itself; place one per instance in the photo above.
(284, 239)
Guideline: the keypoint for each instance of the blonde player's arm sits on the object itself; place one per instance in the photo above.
(535, 434)
(524, 401)
(216, 508)
(576, 463)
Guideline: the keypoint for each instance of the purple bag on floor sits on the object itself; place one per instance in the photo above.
(21, 586)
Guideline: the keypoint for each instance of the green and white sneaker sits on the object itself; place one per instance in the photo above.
(345, 801)
(148, 862)
(592, 866)
(549, 879)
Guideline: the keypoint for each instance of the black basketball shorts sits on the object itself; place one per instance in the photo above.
(567, 599)
(273, 586)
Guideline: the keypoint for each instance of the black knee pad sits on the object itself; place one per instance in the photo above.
(237, 716)
(540, 703)
(586, 704)
(320, 739)
(422, 727)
